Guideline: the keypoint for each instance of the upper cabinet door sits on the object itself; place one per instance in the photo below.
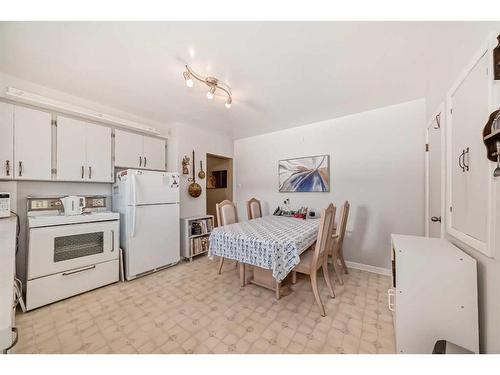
(32, 144)
(71, 165)
(128, 150)
(6, 140)
(154, 153)
(98, 141)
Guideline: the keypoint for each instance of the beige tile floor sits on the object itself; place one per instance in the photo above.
(190, 309)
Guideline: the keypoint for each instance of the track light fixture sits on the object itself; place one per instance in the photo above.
(215, 85)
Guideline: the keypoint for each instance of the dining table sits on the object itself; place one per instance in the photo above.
(272, 243)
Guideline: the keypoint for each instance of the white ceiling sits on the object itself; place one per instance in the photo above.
(283, 74)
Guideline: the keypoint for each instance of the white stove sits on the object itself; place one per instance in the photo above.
(68, 255)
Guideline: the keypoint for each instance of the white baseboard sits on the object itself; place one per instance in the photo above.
(366, 267)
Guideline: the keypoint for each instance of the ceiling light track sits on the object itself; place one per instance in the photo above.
(213, 83)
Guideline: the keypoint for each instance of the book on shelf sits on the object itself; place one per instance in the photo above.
(199, 245)
(201, 226)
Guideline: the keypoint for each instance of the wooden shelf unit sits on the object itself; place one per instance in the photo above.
(188, 238)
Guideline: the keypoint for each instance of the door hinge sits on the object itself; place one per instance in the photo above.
(426, 147)
(451, 209)
(54, 122)
(113, 135)
(53, 170)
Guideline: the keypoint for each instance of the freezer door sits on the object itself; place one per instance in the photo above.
(152, 238)
(148, 187)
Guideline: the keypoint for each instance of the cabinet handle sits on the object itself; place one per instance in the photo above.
(390, 299)
(140, 161)
(7, 167)
(112, 240)
(20, 168)
(460, 160)
(83, 172)
(145, 161)
(90, 172)
(466, 166)
(436, 219)
(80, 270)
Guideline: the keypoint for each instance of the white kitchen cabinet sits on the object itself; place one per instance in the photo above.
(6, 140)
(139, 151)
(98, 146)
(471, 194)
(83, 151)
(154, 153)
(128, 149)
(32, 144)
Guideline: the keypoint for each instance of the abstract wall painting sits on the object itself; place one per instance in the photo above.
(307, 174)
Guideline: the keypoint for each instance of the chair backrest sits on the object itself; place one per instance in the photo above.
(254, 209)
(323, 241)
(343, 222)
(226, 213)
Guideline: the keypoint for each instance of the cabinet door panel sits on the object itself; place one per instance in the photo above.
(128, 149)
(6, 140)
(470, 187)
(32, 144)
(154, 153)
(98, 141)
(70, 149)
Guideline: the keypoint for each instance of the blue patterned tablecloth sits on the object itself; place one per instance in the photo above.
(270, 242)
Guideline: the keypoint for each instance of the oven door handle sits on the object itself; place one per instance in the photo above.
(79, 270)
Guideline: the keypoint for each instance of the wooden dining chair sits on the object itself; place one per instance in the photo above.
(226, 214)
(317, 257)
(337, 244)
(254, 209)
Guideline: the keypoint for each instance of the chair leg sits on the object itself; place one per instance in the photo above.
(294, 277)
(326, 275)
(338, 269)
(221, 262)
(236, 265)
(343, 263)
(314, 284)
(278, 287)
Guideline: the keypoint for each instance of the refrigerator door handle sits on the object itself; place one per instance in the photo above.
(134, 190)
(134, 208)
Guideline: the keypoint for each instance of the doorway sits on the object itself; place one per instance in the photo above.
(434, 173)
(219, 182)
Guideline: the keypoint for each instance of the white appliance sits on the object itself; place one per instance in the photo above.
(7, 265)
(4, 204)
(73, 205)
(148, 203)
(68, 255)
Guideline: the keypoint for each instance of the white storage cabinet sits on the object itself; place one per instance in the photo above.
(6, 140)
(83, 151)
(139, 151)
(434, 295)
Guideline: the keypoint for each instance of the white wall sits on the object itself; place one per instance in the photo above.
(442, 76)
(377, 163)
(185, 139)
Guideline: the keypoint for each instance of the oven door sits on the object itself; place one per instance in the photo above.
(67, 247)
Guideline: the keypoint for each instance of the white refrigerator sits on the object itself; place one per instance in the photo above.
(148, 203)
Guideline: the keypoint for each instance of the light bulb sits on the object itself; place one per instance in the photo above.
(210, 94)
(228, 103)
(189, 81)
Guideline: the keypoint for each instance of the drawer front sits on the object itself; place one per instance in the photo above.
(53, 288)
(65, 247)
